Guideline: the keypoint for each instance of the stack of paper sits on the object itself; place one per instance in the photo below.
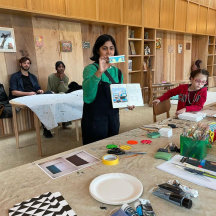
(198, 116)
(165, 132)
(45, 204)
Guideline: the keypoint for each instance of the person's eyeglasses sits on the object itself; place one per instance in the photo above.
(200, 81)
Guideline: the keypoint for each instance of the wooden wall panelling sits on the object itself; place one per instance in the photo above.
(169, 61)
(49, 6)
(165, 56)
(179, 67)
(212, 3)
(148, 9)
(132, 13)
(50, 52)
(187, 56)
(18, 4)
(71, 31)
(173, 57)
(200, 49)
(192, 15)
(211, 22)
(167, 11)
(23, 31)
(110, 11)
(82, 8)
(3, 72)
(159, 75)
(89, 34)
(202, 20)
(180, 15)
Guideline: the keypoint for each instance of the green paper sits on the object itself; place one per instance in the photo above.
(163, 155)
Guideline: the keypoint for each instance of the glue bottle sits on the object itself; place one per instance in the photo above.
(129, 210)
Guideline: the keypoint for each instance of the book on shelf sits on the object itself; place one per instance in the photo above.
(124, 95)
(132, 48)
(130, 64)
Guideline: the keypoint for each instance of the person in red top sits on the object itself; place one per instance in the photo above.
(191, 96)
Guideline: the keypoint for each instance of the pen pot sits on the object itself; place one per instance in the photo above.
(190, 147)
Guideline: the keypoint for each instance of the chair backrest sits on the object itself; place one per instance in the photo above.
(162, 107)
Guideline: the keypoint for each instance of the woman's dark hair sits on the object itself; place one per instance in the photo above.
(58, 63)
(197, 63)
(24, 59)
(199, 71)
(101, 40)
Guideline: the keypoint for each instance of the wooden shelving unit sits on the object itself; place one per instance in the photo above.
(135, 54)
(149, 52)
(211, 60)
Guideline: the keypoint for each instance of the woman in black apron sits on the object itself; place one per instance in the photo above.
(99, 119)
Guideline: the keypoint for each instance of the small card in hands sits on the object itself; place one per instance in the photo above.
(116, 59)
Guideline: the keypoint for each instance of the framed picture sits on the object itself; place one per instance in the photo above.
(158, 43)
(7, 40)
(65, 46)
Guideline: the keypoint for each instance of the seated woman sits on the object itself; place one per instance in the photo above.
(58, 82)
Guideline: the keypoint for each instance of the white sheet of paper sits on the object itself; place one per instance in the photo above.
(171, 168)
(124, 95)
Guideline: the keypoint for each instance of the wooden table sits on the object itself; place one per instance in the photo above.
(27, 181)
(36, 123)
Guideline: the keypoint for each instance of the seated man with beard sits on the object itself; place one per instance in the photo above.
(24, 83)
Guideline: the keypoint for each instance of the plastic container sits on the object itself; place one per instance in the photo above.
(193, 148)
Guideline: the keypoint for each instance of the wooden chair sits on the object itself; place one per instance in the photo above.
(162, 107)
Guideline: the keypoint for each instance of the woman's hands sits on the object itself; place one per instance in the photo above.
(131, 107)
(156, 101)
(103, 65)
(180, 111)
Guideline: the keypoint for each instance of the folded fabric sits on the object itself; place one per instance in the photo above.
(198, 116)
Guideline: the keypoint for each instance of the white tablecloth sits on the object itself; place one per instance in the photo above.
(52, 109)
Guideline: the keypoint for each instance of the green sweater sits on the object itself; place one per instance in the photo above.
(90, 81)
(56, 85)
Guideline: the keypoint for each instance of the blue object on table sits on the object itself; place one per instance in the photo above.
(120, 212)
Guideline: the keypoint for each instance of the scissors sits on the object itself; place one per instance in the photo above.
(211, 134)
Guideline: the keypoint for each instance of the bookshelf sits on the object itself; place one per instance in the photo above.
(135, 54)
(211, 60)
(149, 51)
(149, 55)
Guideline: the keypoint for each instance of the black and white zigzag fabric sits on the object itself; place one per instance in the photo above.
(47, 204)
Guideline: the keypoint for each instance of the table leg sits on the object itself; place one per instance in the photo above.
(77, 129)
(15, 125)
(37, 128)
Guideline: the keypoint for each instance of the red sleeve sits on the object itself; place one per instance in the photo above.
(197, 106)
(170, 93)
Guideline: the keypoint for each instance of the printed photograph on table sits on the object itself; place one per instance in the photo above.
(7, 40)
(65, 46)
(67, 164)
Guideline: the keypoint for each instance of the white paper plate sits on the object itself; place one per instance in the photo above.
(115, 188)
